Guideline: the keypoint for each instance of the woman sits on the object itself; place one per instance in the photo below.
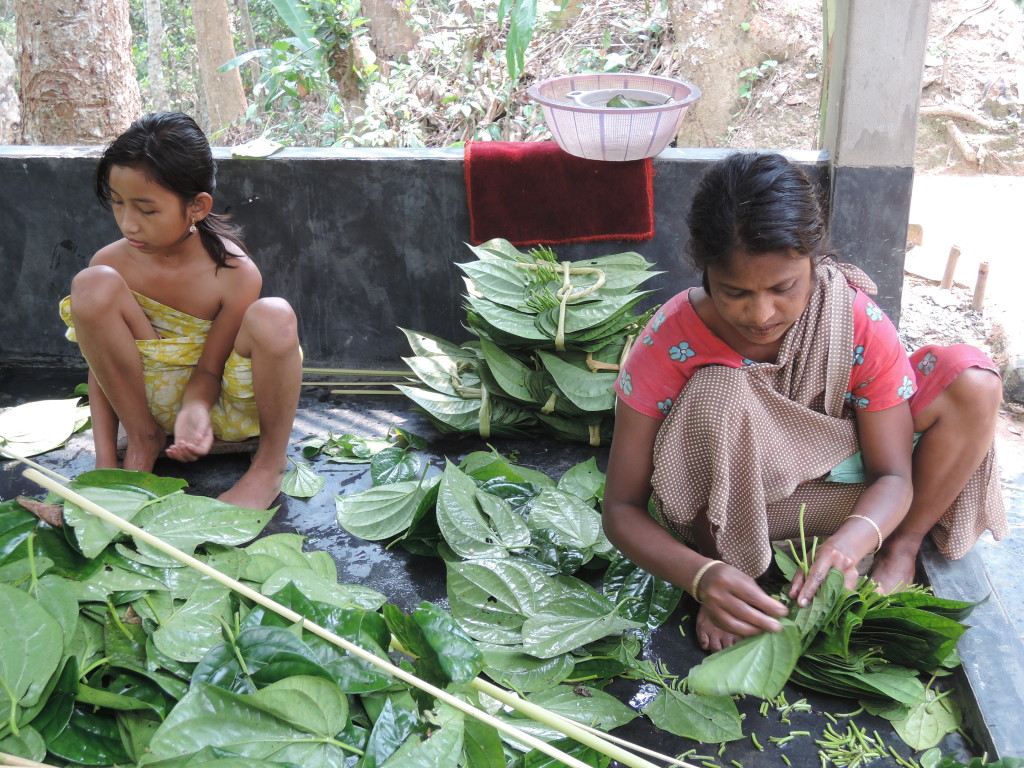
(741, 395)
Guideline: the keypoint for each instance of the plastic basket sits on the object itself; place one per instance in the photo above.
(575, 109)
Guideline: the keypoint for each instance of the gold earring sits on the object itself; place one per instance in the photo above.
(192, 229)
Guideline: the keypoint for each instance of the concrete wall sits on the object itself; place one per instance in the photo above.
(359, 241)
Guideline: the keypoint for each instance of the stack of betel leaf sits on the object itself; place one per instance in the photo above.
(550, 339)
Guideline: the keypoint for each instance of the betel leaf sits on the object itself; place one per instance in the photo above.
(570, 621)
(40, 426)
(460, 520)
(585, 481)
(441, 747)
(31, 647)
(710, 719)
(391, 727)
(587, 390)
(382, 512)
(310, 703)
(444, 653)
(586, 705)
(28, 744)
(321, 589)
(394, 465)
(570, 520)
(188, 521)
(89, 738)
(121, 492)
(512, 667)
(927, 722)
(301, 481)
(482, 745)
(758, 665)
(210, 716)
(509, 373)
(652, 599)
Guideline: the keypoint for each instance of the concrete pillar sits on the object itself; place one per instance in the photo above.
(874, 61)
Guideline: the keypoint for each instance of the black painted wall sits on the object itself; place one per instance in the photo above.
(364, 241)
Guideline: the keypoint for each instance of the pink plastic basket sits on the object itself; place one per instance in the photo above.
(575, 109)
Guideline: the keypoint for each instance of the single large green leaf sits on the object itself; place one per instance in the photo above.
(758, 665)
(382, 512)
(442, 748)
(395, 465)
(651, 600)
(460, 520)
(188, 629)
(391, 727)
(585, 705)
(571, 521)
(28, 744)
(320, 589)
(444, 653)
(301, 481)
(572, 620)
(584, 480)
(426, 345)
(498, 281)
(310, 703)
(928, 721)
(31, 647)
(90, 738)
(509, 373)
(188, 521)
(711, 719)
(210, 716)
(516, 669)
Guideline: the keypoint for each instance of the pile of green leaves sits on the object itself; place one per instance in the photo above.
(114, 653)
(541, 361)
(521, 552)
(853, 643)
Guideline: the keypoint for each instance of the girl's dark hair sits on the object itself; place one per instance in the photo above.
(755, 203)
(171, 149)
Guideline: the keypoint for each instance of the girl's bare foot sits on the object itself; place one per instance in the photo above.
(143, 450)
(894, 567)
(710, 637)
(256, 489)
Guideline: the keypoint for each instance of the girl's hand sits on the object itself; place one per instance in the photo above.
(831, 554)
(193, 433)
(735, 604)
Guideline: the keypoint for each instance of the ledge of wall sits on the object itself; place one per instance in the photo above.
(360, 241)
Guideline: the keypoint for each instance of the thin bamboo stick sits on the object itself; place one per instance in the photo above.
(364, 392)
(353, 383)
(353, 372)
(21, 762)
(407, 677)
(12, 455)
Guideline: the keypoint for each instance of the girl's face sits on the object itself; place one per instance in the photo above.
(759, 297)
(151, 218)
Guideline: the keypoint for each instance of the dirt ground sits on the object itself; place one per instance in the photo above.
(973, 79)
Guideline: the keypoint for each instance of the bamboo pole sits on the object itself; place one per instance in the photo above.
(979, 287)
(21, 762)
(354, 372)
(947, 277)
(395, 671)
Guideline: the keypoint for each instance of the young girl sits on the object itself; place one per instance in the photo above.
(170, 321)
(743, 395)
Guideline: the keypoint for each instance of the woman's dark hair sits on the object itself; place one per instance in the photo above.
(171, 149)
(755, 203)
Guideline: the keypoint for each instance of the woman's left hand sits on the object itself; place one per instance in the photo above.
(829, 555)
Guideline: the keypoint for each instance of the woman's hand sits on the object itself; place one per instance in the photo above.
(193, 433)
(735, 603)
(832, 554)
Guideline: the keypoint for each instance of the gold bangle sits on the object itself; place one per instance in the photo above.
(873, 525)
(700, 575)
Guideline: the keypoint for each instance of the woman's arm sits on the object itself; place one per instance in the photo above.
(733, 600)
(193, 432)
(886, 441)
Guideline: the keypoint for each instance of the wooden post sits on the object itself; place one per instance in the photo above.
(979, 287)
(947, 276)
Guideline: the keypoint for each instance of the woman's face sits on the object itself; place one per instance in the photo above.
(759, 297)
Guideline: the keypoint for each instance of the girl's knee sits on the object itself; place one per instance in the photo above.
(96, 288)
(271, 323)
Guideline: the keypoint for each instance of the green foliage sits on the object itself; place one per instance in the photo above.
(750, 76)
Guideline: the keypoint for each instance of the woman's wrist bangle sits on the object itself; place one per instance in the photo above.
(874, 525)
(700, 575)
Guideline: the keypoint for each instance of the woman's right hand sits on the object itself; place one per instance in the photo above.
(735, 607)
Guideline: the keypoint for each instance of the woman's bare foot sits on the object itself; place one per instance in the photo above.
(256, 489)
(143, 450)
(894, 568)
(710, 637)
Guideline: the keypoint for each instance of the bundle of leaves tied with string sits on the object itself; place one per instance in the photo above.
(551, 337)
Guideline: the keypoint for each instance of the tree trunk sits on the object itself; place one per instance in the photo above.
(392, 35)
(225, 98)
(78, 83)
(155, 55)
(10, 113)
(713, 49)
(245, 22)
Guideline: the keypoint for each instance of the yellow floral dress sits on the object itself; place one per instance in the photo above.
(167, 365)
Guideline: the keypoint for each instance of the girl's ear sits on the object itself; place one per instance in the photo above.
(201, 206)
